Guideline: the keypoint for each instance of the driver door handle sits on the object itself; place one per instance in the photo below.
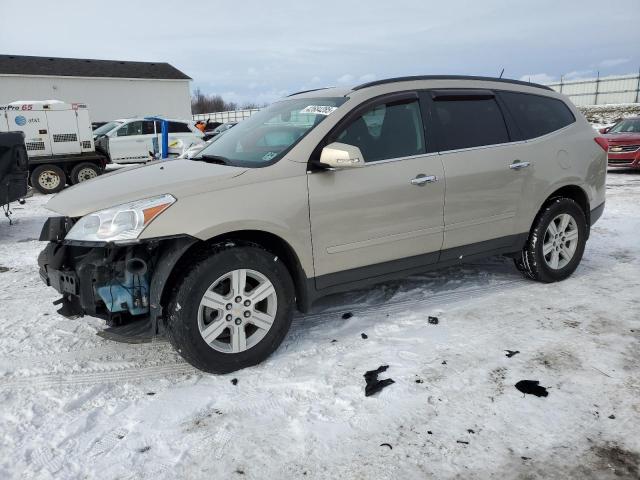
(422, 179)
(517, 165)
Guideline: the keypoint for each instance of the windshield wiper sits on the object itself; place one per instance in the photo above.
(213, 159)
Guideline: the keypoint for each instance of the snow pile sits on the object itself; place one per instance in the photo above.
(77, 406)
(606, 115)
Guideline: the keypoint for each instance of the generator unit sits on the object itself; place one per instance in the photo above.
(58, 139)
(14, 167)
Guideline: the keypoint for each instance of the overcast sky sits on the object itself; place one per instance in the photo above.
(252, 50)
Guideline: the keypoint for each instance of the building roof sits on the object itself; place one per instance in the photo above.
(80, 67)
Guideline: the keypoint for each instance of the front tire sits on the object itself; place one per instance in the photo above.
(556, 243)
(232, 309)
(48, 179)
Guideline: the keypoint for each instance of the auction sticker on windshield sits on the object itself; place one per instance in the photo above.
(319, 109)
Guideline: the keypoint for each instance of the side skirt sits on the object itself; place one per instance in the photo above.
(372, 274)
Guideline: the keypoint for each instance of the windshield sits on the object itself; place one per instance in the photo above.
(106, 128)
(630, 125)
(269, 134)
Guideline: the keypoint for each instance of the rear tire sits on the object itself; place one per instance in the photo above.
(48, 179)
(84, 171)
(213, 301)
(556, 243)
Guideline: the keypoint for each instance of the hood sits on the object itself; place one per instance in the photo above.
(622, 138)
(180, 178)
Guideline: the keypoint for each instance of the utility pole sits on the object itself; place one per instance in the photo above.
(597, 89)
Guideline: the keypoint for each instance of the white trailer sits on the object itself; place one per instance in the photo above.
(59, 141)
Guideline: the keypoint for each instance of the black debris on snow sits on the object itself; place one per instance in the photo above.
(532, 387)
(347, 315)
(511, 353)
(373, 384)
(364, 336)
(433, 320)
(386, 445)
(234, 381)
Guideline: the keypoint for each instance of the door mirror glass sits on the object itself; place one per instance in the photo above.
(341, 155)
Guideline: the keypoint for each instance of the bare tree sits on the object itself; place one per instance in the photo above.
(203, 103)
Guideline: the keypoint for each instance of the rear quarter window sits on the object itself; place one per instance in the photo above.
(536, 115)
(468, 123)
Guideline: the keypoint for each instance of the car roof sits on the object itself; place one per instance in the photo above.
(344, 92)
(147, 118)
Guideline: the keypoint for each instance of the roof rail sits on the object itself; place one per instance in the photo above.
(448, 77)
(307, 91)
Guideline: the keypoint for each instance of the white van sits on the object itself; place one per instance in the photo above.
(134, 140)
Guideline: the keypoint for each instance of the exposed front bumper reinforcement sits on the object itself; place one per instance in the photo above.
(122, 284)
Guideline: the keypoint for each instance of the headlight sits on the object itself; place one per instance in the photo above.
(121, 223)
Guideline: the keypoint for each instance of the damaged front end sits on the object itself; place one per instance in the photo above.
(119, 283)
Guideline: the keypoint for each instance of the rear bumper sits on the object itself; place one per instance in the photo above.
(596, 213)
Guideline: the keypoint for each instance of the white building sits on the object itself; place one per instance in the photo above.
(111, 89)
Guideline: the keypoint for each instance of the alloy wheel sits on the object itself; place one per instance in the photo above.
(237, 311)
(560, 241)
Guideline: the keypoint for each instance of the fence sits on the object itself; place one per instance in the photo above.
(224, 117)
(601, 91)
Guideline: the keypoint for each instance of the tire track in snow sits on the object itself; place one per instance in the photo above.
(106, 373)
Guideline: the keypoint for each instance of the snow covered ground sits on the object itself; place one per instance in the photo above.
(74, 405)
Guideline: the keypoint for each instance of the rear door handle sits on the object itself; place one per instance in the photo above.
(517, 165)
(422, 179)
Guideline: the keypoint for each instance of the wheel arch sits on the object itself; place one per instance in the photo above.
(575, 193)
(267, 240)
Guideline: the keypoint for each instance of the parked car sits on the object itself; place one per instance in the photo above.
(14, 167)
(327, 191)
(135, 140)
(624, 143)
(209, 134)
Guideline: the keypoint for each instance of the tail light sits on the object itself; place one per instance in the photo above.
(603, 142)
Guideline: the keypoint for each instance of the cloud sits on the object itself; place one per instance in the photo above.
(538, 78)
(346, 78)
(578, 74)
(240, 52)
(613, 62)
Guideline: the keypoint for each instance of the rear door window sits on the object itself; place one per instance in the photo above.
(467, 122)
(537, 115)
(391, 130)
(147, 127)
(178, 127)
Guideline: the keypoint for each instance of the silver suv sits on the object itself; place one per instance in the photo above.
(325, 191)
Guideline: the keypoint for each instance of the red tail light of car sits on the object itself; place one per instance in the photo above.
(603, 142)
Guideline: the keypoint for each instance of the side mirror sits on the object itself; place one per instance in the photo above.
(341, 155)
(605, 130)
